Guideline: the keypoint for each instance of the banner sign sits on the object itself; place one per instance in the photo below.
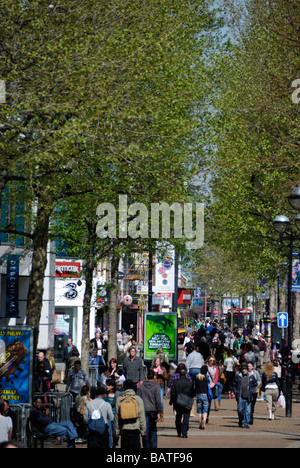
(16, 363)
(12, 287)
(160, 331)
(296, 275)
(165, 273)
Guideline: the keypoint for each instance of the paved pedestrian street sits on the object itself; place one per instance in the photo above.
(222, 431)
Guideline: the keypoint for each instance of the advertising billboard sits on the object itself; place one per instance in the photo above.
(160, 331)
(16, 363)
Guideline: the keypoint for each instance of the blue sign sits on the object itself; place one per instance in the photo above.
(296, 274)
(16, 363)
(282, 320)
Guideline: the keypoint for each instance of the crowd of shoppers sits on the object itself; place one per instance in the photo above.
(128, 401)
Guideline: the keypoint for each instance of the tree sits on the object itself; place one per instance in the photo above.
(255, 129)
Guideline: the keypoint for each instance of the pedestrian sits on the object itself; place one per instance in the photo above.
(186, 347)
(194, 362)
(270, 385)
(175, 377)
(200, 390)
(251, 356)
(68, 349)
(95, 359)
(262, 345)
(111, 397)
(97, 344)
(133, 367)
(116, 374)
(182, 391)
(160, 377)
(229, 364)
(151, 396)
(9, 413)
(77, 377)
(213, 374)
(253, 371)
(6, 424)
(163, 356)
(130, 419)
(96, 410)
(43, 373)
(244, 387)
(42, 378)
(39, 416)
(80, 404)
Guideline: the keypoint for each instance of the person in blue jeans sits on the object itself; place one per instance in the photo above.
(244, 387)
(149, 391)
(200, 389)
(40, 419)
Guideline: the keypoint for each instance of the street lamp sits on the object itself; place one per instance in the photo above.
(283, 226)
(294, 198)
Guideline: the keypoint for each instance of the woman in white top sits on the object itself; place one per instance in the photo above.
(229, 364)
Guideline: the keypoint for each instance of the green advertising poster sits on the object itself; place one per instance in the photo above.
(160, 331)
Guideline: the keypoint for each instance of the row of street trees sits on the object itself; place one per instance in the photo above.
(254, 137)
(102, 98)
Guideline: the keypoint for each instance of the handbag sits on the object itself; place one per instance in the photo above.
(185, 401)
(210, 395)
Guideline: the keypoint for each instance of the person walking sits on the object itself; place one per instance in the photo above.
(160, 376)
(244, 387)
(93, 411)
(194, 362)
(213, 374)
(77, 377)
(229, 363)
(200, 390)
(270, 385)
(133, 367)
(253, 371)
(130, 419)
(68, 350)
(150, 393)
(182, 388)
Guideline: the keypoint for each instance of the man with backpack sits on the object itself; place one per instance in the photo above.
(96, 415)
(130, 420)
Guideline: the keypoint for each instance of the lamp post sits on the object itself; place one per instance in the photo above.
(283, 226)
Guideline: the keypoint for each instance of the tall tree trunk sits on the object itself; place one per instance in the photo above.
(39, 263)
(112, 313)
(89, 274)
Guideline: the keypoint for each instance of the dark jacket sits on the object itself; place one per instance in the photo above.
(66, 353)
(183, 385)
(39, 419)
(269, 380)
(200, 386)
(237, 386)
